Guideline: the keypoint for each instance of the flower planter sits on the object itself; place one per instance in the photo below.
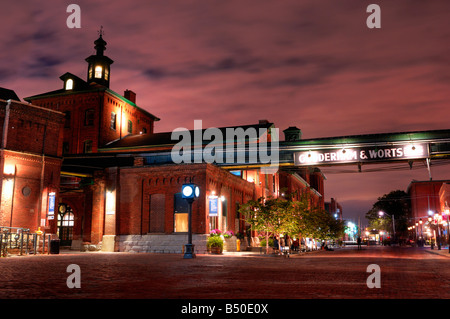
(216, 250)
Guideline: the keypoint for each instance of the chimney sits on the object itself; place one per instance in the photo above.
(292, 134)
(130, 95)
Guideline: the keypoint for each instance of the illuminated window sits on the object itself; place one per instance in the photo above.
(180, 214)
(65, 224)
(98, 72)
(69, 84)
(113, 120)
(106, 74)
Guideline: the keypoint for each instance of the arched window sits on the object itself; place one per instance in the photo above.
(98, 72)
(69, 84)
(65, 224)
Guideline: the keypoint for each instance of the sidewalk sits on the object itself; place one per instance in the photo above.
(442, 252)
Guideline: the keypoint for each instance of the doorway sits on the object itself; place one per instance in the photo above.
(66, 220)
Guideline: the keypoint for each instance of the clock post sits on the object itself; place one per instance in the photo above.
(190, 192)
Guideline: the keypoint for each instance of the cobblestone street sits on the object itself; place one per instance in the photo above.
(342, 274)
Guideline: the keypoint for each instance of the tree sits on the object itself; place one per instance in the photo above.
(293, 217)
(398, 204)
(271, 216)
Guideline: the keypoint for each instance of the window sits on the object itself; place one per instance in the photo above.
(224, 214)
(69, 84)
(65, 224)
(157, 213)
(90, 72)
(106, 74)
(65, 149)
(87, 146)
(181, 215)
(98, 72)
(67, 118)
(130, 126)
(89, 117)
(113, 120)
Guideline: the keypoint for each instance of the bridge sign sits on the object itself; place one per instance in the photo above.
(362, 154)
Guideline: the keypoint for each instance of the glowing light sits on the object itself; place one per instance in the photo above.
(413, 150)
(98, 72)
(9, 170)
(110, 205)
(69, 84)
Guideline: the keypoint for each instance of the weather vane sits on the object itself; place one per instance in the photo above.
(101, 32)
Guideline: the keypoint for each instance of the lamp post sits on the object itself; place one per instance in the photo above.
(447, 212)
(381, 213)
(421, 232)
(190, 192)
(436, 217)
(430, 219)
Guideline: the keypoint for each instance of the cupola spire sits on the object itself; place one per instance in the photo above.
(99, 64)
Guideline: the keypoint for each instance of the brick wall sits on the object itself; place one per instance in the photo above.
(30, 164)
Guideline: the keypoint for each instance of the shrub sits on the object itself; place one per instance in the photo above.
(214, 241)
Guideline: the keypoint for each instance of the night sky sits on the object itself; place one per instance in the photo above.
(311, 64)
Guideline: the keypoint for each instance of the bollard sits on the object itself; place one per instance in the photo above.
(28, 241)
(1, 245)
(238, 245)
(43, 244)
(21, 243)
(48, 244)
(34, 244)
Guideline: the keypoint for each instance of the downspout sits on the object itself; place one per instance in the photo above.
(6, 124)
(42, 178)
(4, 142)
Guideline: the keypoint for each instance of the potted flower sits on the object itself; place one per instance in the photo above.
(215, 232)
(228, 234)
(215, 244)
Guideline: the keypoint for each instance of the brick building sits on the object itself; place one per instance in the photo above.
(30, 163)
(334, 208)
(120, 188)
(424, 198)
(95, 115)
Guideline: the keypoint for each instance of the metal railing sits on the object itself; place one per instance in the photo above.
(20, 241)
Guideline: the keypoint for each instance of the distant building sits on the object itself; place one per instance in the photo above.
(424, 198)
(334, 208)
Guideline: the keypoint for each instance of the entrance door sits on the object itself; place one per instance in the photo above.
(65, 224)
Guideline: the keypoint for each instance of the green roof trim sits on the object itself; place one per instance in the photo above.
(372, 138)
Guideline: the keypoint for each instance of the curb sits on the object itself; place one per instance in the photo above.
(443, 253)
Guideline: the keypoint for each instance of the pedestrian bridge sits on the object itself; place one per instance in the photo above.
(408, 147)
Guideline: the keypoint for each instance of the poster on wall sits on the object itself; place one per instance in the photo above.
(213, 204)
(51, 206)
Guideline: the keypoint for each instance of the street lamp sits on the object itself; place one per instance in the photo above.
(430, 219)
(190, 192)
(447, 212)
(381, 213)
(421, 230)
